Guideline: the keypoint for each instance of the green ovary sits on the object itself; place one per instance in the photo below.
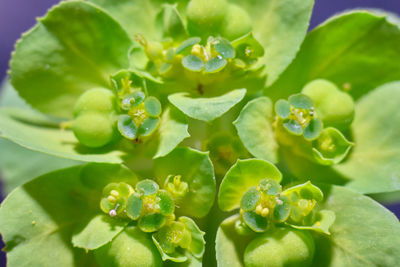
(93, 129)
(284, 247)
(95, 100)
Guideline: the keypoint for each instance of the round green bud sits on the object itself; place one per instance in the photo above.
(97, 99)
(130, 248)
(333, 106)
(205, 16)
(237, 22)
(282, 247)
(93, 129)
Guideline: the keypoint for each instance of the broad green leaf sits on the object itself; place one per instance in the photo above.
(131, 247)
(197, 171)
(9, 96)
(363, 234)
(19, 165)
(279, 33)
(97, 232)
(170, 22)
(173, 130)
(373, 166)
(51, 140)
(206, 109)
(56, 61)
(345, 51)
(324, 220)
(254, 126)
(40, 216)
(243, 175)
(135, 16)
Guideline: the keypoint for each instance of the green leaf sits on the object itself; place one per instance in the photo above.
(97, 232)
(173, 130)
(193, 63)
(254, 126)
(344, 51)
(55, 54)
(215, 64)
(243, 175)
(53, 205)
(206, 109)
(331, 147)
(135, 16)
(197, 171)
(323, 221)
(50, 140)
(131, 247)
(280, 34)
(170, 22)
(373, 166)
(359, 235)
(127, 127)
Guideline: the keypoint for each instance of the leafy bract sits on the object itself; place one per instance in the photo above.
(243, 175)
(206, 109)
(196, 169)
(99, 231)
(359, 235)
(135, 16)
(53, 64)
(345, 51)
(373, 166)
(173, 130)
(16, 125)
(280, 26)
(254, 126)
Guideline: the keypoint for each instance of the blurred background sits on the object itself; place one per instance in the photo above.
(17, 16)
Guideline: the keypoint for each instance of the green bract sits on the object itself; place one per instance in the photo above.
(168, 101)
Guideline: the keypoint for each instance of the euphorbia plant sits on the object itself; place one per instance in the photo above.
(147, 121)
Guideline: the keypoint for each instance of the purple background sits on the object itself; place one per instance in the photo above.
(17, 16)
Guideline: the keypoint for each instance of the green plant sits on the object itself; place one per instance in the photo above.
(201, 133)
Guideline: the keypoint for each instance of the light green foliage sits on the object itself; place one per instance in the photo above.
(373, 166)
(345, 51)
(81, 63)
(282, 247)
(254, 126)
(127, 80)
(207, 109)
